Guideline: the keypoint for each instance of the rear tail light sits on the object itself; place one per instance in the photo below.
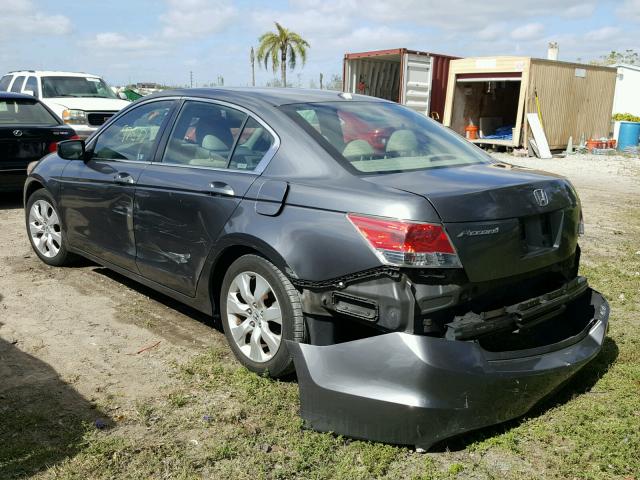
(407, 244)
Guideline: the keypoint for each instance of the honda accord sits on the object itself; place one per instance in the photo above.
(419, 288)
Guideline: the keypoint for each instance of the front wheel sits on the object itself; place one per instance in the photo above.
(44, 228)
(260, 309)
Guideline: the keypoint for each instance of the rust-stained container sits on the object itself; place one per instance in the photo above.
(496, 94)
(410, 77)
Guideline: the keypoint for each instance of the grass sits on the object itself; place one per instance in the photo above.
(225, 422)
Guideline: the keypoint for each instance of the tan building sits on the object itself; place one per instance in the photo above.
(496, 93)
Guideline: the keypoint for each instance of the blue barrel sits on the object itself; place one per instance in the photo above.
(629, 135)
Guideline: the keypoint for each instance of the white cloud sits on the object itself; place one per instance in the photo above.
(629, 10)
(528, 31)
(196, 18)
(603, 34)
(23, 16)
(582, 10)
(492, 32)
(118, 41)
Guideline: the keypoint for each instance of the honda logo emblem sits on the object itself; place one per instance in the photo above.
(17, 133)
(541, 197)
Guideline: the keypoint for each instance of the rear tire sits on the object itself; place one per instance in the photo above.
(260, 309)
(44, 228)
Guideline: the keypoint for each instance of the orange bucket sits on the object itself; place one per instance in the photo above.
(591, 144)
(471, 132)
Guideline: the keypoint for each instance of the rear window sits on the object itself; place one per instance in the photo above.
(376, 137)
(24, 112)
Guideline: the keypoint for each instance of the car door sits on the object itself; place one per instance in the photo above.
(97, 195)
(211, 157)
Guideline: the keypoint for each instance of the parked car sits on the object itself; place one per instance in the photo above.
(28, 131)
(82, 100)
(421, 292)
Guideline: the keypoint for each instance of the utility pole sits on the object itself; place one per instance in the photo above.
(191, 78)
(321, 81)
(252, 57)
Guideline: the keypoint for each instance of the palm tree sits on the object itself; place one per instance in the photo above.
(279, 46)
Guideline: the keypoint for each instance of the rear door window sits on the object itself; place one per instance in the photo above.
(4, 82)
(255, 141)
(133, 135)
(32, 84)
(17, 85)
(204, 135)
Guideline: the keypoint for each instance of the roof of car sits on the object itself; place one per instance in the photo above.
(271, 96)
(17, 96)
(53, 73)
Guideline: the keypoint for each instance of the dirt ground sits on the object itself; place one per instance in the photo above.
(74, 336)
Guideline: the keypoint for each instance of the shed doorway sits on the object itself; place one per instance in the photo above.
(489, 101)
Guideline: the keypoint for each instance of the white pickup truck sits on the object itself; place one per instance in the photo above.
(82, 100)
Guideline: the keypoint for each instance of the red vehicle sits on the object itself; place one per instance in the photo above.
(354, 128)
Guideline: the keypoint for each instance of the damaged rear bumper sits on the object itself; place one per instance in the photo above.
(416, 390)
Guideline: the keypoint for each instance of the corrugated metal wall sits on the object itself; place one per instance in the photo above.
(440, 67)
(571, 104)
(381, 77)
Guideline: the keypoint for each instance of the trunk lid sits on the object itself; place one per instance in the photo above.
(496, 222)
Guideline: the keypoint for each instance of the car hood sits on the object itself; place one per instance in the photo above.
(87, 104)
(483, 191)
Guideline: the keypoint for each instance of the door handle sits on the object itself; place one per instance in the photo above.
(221, 188)
(123, 177)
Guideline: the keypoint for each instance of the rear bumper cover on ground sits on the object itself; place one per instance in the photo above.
(416, 390)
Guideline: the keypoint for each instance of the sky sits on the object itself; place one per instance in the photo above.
(128, 41)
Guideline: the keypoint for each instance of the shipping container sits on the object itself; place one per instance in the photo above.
(412, 78)
(495, 94)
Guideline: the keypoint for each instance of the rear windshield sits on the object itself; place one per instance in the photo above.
(75, 87)
(24, 112)
(377, 137)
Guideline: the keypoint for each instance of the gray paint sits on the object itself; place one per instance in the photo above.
(171, 227)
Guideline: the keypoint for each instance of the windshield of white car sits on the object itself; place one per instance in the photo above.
(75, 87)
(383, 137)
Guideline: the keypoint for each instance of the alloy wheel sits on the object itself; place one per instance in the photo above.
(44, 228)
(254, 316)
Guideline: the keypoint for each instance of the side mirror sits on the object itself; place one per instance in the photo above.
(29, 92)
(71, 149)
(123, 96)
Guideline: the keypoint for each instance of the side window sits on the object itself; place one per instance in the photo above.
(255, 141)
(311, 118)
(204, 135)
(17, 85)
(32, 84)
(132, 136)
(4, 82)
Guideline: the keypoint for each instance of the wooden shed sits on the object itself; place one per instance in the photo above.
(496, 93)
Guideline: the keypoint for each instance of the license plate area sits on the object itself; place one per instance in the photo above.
(541, 233)
(21, 149)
